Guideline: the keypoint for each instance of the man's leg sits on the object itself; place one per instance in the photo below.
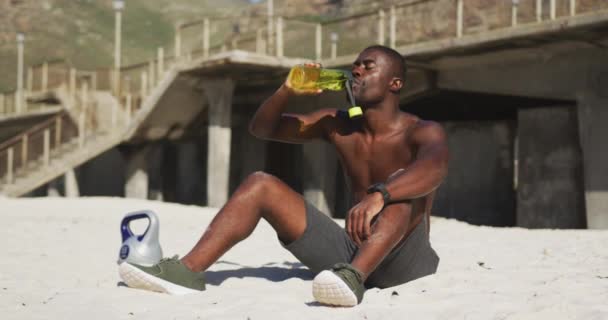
(389, 229)
(260, 196)
(344, 284)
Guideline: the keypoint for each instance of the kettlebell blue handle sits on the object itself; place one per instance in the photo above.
(125, 230)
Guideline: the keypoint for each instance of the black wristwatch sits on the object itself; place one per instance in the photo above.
(380, 187)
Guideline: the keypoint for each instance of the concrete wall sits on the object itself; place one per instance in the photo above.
(550, 181)
(104, 175)
(576, 72)
(479, 185)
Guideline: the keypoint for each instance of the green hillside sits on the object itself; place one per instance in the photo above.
(82, 31)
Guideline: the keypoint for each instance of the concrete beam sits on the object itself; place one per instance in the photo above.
(526, 72)
(219, 95)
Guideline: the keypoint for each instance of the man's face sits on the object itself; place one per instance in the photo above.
(372, 77)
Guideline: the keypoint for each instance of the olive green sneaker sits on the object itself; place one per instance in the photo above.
(170, 276)
(340, 286)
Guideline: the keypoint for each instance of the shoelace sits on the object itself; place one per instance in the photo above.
(174, 259)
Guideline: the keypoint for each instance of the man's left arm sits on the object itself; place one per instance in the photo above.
(428, 169)
(420, 178)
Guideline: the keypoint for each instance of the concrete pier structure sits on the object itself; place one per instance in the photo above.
(524, 107)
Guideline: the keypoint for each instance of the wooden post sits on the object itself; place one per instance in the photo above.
(270, 23)
(178, 42)
(24, 104)
(72, 87)
(280, 37)
(30, 79)
(234, 44)
(539, 10)
(572, 7)
(259, 36)
(58, 131)
(161, 64)
(18, 105)
(393, 28)
(24, 156)
(84, 95)
(94, 82)
(129, 107)
(10, 104)
(318, 42)
(47, 147)
(45, 76)
(9, 165)
(114, 113)
(19, 92)
(515, 4)
(81, 128)
(206, 32)
(381, 24)
(552, 12)
(144, 85)
(334, 45)
(459, 13)
(152, 78)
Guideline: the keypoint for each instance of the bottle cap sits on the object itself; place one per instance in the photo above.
(355, 111)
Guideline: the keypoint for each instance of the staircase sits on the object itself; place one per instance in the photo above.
(87, 123)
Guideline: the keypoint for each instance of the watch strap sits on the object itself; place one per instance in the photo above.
(380, 187)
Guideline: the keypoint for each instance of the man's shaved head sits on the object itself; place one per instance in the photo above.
(396, 60)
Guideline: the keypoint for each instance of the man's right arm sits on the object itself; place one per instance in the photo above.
(271, 123)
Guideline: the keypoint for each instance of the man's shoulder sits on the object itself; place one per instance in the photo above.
(416, 126)
(426, 129)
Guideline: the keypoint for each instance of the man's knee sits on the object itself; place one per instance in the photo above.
(261, 182)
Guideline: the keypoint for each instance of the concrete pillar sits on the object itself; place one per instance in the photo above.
(66, 185)
(319, 176)
(71, 184)
(52, 189)
(136, 184)
(219, 95)
(593, 116)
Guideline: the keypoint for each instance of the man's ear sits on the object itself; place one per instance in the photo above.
(396, 84)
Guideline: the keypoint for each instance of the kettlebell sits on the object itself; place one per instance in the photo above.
(141, 249)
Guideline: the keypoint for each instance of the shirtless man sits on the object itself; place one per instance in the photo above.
(394, 161)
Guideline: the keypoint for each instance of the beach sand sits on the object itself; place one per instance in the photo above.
(59, 262)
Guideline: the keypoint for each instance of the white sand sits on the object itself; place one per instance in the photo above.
(59, 262)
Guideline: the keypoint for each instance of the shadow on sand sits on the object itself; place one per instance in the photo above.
(275, 272)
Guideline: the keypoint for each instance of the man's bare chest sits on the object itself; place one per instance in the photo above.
(372, 160)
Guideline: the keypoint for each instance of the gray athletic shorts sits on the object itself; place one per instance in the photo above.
(324, 243)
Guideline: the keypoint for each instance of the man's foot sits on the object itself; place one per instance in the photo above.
(170, 276)
(340, 286)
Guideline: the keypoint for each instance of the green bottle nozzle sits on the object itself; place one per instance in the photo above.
(354, 111)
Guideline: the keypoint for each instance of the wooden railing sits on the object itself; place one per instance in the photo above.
(37, 144)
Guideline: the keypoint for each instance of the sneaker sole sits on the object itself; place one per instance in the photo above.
(135, 278)
(328, 288)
